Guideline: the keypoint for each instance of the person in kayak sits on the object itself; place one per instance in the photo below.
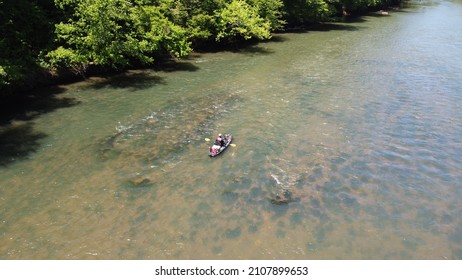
(220, 140)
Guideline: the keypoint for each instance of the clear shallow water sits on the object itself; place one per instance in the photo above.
(357, 126)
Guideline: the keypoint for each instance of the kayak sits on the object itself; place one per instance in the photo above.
(215, 150)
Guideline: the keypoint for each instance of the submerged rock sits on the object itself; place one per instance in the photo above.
(280, 200)
(286, 198)
(140, 182)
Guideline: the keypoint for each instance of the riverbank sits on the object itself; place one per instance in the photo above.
(38, 77)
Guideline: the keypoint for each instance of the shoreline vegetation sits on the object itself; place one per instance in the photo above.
(51, 42)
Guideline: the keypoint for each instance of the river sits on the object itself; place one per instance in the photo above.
(353, 128)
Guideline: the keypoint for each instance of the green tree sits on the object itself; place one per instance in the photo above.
(307, 11)
(349, 6)
(240, 20)
(25, 29)
(199, 17)
(114, 33)
(222, 20)
(271, 11)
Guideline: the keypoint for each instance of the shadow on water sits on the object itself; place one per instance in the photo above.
(328, 26)
(133, 80)
(29, 105)
(174, 66)
(129, 81)
(240, 47)
(256, 50)
(19, 140)
(277, 38)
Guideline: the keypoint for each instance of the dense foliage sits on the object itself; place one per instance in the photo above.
(25, 31)
(74, 34)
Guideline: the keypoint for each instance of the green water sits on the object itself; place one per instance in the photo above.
(356, 126)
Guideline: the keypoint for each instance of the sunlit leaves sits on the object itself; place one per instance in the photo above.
(303, 11)
(239, 19)
(115, 32)
(271, 11)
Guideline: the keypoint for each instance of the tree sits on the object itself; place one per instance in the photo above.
(115, 32)
(240, 20)
(271, 11)
(307, 11)
(222, 20)
(24, 31)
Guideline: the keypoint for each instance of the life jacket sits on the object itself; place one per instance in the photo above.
(219, 141)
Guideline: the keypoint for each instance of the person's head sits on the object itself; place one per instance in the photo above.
(219, 135)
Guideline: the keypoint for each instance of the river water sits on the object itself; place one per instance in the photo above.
(348, 146)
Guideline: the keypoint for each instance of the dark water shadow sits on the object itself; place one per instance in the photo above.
(141, 78)
(29, 105)
(251, 47)
(277, 38)
(18, 142)
(128, 81)
(344, 26)
(174, 66)
(256, 50)
(328, 26)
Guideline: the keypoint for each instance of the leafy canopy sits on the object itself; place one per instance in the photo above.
(239, 19)
(115, 32)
